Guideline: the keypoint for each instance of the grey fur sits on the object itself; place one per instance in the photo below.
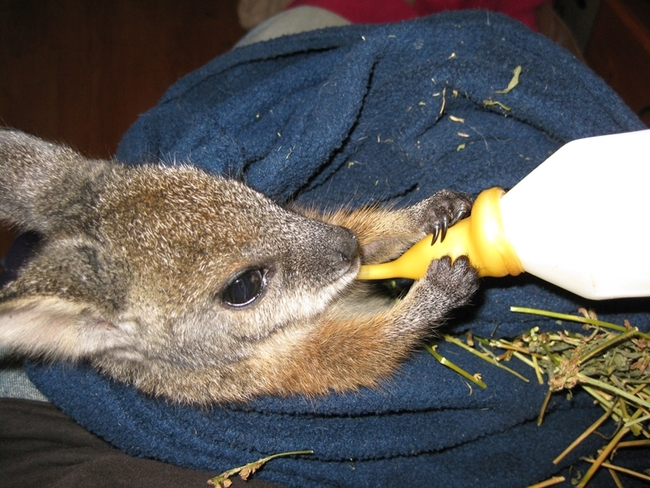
(135, 271)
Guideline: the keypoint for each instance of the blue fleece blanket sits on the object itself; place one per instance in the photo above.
(361, 114)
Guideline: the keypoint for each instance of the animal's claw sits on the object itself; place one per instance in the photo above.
(439, 229)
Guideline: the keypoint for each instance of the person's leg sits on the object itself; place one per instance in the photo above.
(41, 446)
(292, 21)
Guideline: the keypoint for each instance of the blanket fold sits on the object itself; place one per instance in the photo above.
(357, 115)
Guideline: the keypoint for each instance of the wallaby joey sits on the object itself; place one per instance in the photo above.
(201, 290)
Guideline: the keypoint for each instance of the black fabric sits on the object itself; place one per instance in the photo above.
(42, 447)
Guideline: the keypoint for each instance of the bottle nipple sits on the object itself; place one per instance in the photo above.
(480, 237)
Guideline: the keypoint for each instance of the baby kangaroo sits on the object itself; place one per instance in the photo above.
(201, 290)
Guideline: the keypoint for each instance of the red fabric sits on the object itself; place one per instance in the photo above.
(376, 12)
(364, 11)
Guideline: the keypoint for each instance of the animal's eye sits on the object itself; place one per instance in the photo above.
(245, 288)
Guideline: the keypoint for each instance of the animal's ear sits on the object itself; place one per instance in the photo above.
(54, 328)
(65, 301)
(45, 187)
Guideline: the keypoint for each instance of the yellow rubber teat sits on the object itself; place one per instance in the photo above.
(479, 237)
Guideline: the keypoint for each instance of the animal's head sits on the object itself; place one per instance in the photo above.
(153, 272)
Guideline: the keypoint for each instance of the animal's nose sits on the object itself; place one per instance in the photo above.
(345, 244)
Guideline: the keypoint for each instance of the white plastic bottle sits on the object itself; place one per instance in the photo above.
(580, 220)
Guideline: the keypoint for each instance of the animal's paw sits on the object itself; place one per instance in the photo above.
(446, 286)
(442, 210)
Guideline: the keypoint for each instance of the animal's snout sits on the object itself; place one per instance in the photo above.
(345, 244)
